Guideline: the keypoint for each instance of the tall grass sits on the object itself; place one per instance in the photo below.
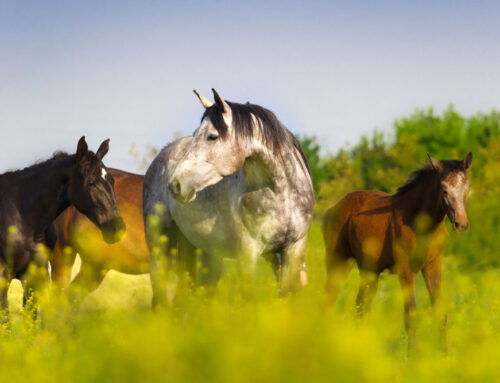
(224, 338)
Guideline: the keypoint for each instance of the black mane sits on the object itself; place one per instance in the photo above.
(423, 174)
(274, 134)
(56, 158)
(416, 178)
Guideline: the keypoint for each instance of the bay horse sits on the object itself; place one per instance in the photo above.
(239, 187)
(404, 232)
(75, 233)
(30, 200)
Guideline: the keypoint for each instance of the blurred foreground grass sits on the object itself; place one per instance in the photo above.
(226, 339)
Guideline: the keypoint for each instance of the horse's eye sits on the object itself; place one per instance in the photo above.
(212, 137)
(91, 183)
(445, 192)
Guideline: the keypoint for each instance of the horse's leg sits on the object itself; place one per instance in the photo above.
(294, 272)
(61, 263)
(187, 261)
(367, 290)
(337, 270)
(276, 261)
(432, 277)
(161, 254)
(35, 282)
(407, 280)
(86, 281)
(247, 263)
(211, 269)
(4, 287)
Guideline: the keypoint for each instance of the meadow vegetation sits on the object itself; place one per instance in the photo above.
(225, 338)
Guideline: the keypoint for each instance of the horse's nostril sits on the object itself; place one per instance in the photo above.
(175, 187)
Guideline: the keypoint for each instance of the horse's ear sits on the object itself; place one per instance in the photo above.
(204, 101)
(103, 149)
(82, 148)
(224, 107)
(468, 161)
(219, 101)
(436, 164)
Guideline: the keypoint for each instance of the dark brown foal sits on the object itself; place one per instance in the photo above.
(404, 232)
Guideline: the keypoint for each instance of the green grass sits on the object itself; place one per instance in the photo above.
(228, 339)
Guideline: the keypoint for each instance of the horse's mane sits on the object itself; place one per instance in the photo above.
(249, 117)
(423, 174)
(57, 157)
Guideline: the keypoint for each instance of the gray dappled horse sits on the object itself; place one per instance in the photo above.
(239, 187)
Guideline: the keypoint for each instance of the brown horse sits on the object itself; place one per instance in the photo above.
(403, 232)
(76, 234)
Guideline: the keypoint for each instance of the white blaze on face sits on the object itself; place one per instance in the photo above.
(103, 173)
(458, 188)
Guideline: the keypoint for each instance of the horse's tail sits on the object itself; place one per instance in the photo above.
(334, 221)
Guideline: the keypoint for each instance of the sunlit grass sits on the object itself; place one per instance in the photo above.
(225, 338)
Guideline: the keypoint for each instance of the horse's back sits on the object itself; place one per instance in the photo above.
(358, 224)
(352, 204)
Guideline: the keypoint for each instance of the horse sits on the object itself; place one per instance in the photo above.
(30, 200)
(404, 232)
(75, 233)
(239, 187)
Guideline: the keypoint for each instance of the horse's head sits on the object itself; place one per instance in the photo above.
(215, 152)
(91, 191)
(454, 188)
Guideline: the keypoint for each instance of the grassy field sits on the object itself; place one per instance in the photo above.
(226, 339)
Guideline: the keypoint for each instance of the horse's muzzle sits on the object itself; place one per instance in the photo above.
(114, 229)
(175, 188)
(461, 226)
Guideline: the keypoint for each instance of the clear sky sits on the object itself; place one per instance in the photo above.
(126, 70)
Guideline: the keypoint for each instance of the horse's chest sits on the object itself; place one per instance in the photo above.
(208, 222)
(257, 211)
(411, 249)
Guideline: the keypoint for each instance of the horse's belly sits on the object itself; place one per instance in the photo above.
(129, 255)
(370, 240)
(223, 232)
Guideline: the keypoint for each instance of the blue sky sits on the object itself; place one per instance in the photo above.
(126, 70)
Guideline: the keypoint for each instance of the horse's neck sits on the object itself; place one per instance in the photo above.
(263, 168)
(45, 195)
(424, 198)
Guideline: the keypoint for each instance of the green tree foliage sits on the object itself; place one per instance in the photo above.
(312, 151)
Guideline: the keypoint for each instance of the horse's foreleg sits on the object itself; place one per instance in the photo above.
(86, 281)
(294, 273)
(161, 249)
(432, 278)
(211, 269)
(159, 280)
(366, 293)
(247, 263)
(187, 261)
(407, 280)
(35, 283)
